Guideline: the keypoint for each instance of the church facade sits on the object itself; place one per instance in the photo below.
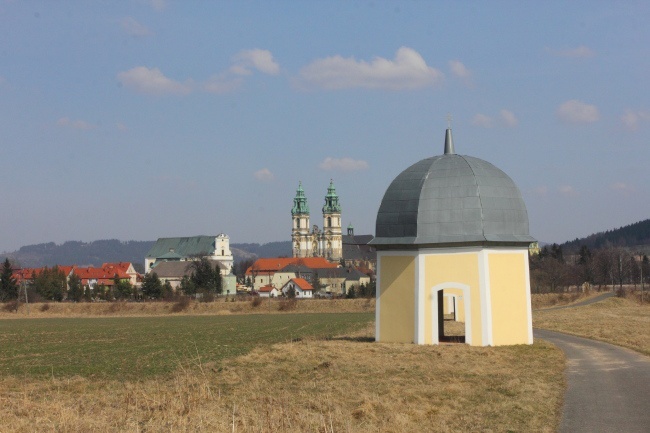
(311, 241)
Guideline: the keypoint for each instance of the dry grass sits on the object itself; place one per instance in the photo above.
(219, 306)
(619, 321)
(349, 384)
(546, 300)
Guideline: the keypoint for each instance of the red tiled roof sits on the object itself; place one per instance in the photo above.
(302, 283)
(103, 275)
(123, 266)
(267, 288)
(25, 274)
(273, 265)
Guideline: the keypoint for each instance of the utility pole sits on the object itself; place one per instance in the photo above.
(641, 255)
(24, 287)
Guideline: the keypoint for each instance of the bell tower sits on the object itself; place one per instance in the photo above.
(332, 240)
(300, 239)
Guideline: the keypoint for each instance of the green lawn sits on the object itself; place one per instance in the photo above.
(140, 347)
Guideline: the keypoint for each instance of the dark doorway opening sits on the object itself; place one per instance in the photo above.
(449, 330)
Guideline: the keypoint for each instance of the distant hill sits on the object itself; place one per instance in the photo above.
(80, 253)
(635, 235)
(112, 250)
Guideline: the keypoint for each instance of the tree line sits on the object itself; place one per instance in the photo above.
(51, 284)
(608, 267)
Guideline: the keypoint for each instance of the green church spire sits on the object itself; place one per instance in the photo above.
(331, 200)
(300, 206)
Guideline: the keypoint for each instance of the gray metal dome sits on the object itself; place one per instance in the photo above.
(452, 199)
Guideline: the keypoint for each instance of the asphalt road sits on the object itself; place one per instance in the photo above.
(598, 298)
(608, 387)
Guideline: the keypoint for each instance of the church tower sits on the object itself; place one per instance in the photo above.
(332, 239)
(300, 237)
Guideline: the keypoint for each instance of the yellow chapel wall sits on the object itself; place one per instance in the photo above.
(509, 298)
(460, 268)
(396, 295)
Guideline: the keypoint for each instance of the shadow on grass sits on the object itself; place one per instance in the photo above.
(353, 339)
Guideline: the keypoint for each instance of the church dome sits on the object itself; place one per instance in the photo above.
(452, 199)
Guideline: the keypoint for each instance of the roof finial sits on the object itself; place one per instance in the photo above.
(449, 142)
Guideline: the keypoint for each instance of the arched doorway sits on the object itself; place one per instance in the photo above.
(459, 326)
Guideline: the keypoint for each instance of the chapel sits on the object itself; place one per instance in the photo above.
(452, 243)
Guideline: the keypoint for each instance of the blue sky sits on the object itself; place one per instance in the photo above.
(145, 119)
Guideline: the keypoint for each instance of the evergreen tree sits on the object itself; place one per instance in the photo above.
(187, 286)
(75, 291)
(167, 290)
(151, 286)
(8, 284)
(123, 289)
(51, 284)
(205, 276)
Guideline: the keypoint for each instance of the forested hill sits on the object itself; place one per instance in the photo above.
(633, 235)
(112, 250)
(80, 253)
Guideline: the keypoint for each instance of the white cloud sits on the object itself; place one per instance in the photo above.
(580, 52)
(568, 191)
(458, 69)
(343, 164)
(151, 81)
(622, 187)
(222, 83)
(482, 120)
(243, 64)
(264, 175)
(631, 118)
(158, 5)
(262, 60)
(407, 71)
(82, 125)
(575, 111)
(134, 28)
(508, 118)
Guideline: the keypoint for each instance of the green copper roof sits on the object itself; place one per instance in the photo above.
(300, 206)
(331, 200)
(174, 248)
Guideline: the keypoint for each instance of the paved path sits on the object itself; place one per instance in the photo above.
(608, 386)
(595, 299)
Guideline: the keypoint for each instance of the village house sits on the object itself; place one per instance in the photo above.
(339, 281)
(89, 275)
(104, 276)
(263, 271)
(268, 291)
(301, 288)
(173, 272)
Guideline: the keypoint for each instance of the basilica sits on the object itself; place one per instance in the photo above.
(308, 241)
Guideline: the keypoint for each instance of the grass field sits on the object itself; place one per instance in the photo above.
(140, 347)
(221, 306)
(348, 383)
(619, 321)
